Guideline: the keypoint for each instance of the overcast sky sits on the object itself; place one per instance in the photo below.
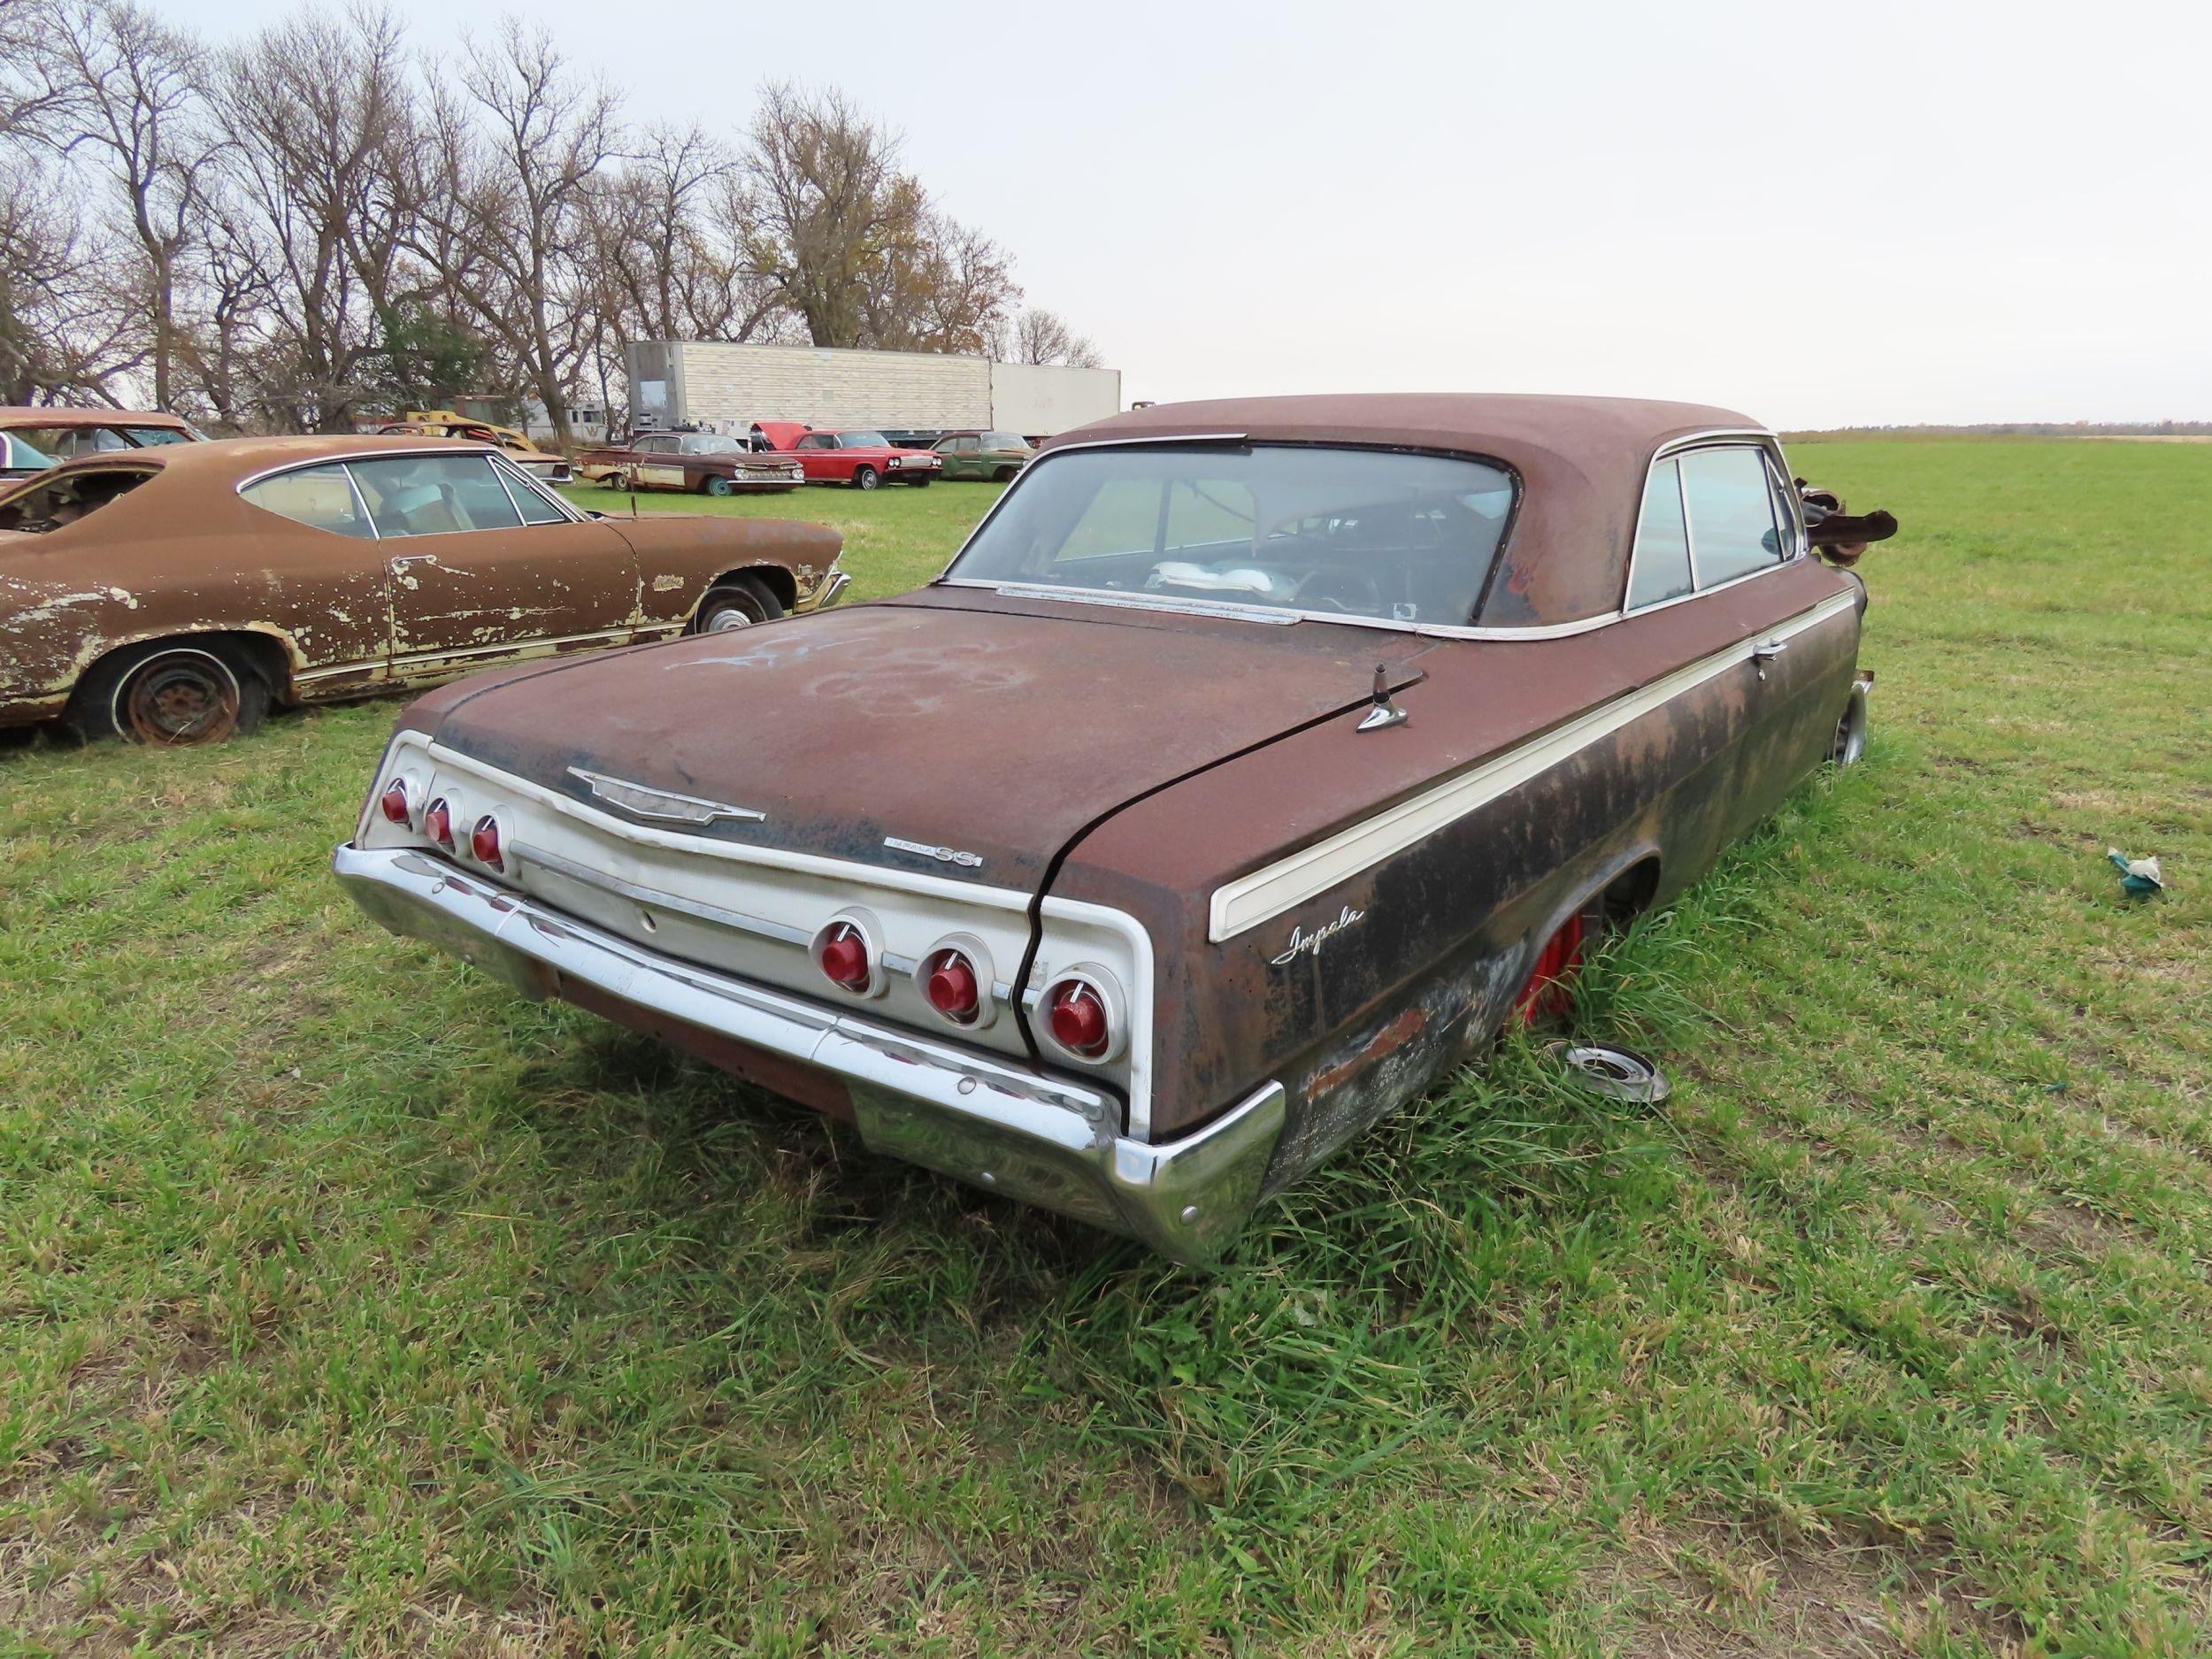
(1852, 214)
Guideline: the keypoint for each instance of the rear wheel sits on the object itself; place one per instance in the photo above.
(1849, 743)
(171, 693)
(866, 478)
(617, 480)
(1003, 475)
(737, 603)
(716, 485)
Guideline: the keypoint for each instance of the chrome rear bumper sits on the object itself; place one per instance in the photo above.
(1014, 1131)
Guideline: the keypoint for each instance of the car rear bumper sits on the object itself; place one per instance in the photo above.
(1038, 1139)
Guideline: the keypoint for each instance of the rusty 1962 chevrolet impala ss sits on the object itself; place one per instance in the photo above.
(1252, 762)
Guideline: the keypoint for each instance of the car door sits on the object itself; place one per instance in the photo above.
(661, 465)
(484, 564)
(327, 582)
(819, 457)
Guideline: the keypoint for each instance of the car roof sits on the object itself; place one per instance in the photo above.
(239, 457)
(18, 415)
(1581, 461)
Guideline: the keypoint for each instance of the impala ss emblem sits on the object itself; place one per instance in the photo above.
(943, 855)
(1303, 943)
(665, 804)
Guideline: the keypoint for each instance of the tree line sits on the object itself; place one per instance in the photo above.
(319, 223)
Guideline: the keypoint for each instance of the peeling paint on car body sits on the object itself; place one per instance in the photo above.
(176, 551)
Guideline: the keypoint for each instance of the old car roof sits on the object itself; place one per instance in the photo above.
(31, 415)
(1582, 462)
(239, 457)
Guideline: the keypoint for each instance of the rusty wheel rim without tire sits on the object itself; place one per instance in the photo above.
(187, 697)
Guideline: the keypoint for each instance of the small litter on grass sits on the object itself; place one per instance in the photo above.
(1622, 1073)
(2139, 877)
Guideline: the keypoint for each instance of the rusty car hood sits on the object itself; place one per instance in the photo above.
(988, 727)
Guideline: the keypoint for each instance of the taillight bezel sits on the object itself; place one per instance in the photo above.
(978, 957)
(502, 854)
(448, 843)
(1106, 987)
(410, 792)
(870, 932)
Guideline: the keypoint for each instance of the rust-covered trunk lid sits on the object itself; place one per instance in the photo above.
(972, 724)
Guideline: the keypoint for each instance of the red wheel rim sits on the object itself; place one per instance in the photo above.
(1548, 990)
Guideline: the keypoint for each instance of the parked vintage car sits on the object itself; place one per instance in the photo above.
(543, 465)
(861, 459)
(172, 595)
(1251, 763)
(995, 456)
(60, 434)
(706, 462)
(19, 458)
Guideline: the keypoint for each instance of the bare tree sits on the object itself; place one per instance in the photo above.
(322, 110)
(131, 93)
(1041, 337)
(517, 154)
(62, 335)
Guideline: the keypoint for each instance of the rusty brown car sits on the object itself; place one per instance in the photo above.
(173, 594)
(705, 462)
(1250, 763)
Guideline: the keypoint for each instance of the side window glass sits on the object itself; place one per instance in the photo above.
(1730, 503)
(318, 496)
(435, 494)
(534, 507)
(1663, 540)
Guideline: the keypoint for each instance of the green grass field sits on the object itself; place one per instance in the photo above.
(348, 1304)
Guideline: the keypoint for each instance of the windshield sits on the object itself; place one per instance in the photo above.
(149, 437)
(1002, 440)
(862, 440)
(1362, 533)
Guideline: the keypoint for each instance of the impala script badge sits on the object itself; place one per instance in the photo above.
(943, 855)
(1303, 943)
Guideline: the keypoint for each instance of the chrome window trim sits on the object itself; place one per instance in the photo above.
(360, 505)
(1770, 448)
(347, 457)
(1759, 436)
(510, 475)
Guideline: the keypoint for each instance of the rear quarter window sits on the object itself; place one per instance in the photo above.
(320, 498)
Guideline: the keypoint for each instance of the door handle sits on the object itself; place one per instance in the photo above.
(405, 559)
(1765, 651)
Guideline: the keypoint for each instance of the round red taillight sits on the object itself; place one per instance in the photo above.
(484, 842)
(841, 952)
(396, 807)
(949, 980)
(437, 823)
(1078, 1014)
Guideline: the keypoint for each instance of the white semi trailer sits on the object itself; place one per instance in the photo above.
(908, 393)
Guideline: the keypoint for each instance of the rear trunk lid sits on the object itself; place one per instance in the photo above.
(958, 733)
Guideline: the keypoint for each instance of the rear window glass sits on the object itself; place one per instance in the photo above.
(1328, 532)
(318, 496)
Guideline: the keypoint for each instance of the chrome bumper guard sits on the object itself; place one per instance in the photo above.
(829, 593)
(1033, 1138)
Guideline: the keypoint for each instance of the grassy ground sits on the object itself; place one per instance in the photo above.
(348, 1304)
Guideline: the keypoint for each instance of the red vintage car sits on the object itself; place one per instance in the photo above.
(861, 459)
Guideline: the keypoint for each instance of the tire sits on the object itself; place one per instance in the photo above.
(1004, 475)
(174, 692)
(866, 478)
(1848, 745)
(922, 482)
(615, 481)
(739, 603)
(716, 485)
